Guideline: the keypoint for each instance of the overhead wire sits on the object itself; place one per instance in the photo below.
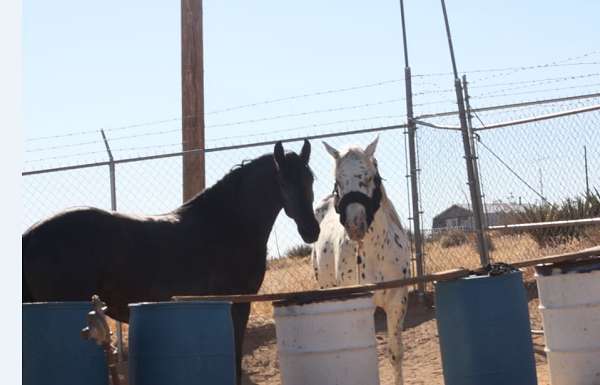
(559, 63)
(315, 125)
(506, 165)
(538, 81)
(504, 69)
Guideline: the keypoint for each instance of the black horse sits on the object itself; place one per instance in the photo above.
(215, 243)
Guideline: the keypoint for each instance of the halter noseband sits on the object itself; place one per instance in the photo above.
(371, 204)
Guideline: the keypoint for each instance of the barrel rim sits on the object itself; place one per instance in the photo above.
(301, 301)
(547, 269)
(181, 304)
(349, 348)
(322, 308)
(568, 306)
(477, 277)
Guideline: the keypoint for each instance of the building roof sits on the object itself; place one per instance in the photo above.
(489, 208)
(498, 207)
(451, 212)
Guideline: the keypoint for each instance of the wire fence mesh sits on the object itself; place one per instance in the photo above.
(527, 172)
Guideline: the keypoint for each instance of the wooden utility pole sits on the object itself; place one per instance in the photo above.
(192, 92)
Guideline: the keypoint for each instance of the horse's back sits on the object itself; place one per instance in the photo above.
(65, 255)
(73, 226)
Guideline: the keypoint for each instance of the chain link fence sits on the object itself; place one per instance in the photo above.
(528, 173)
(542, 171)
(154, 186)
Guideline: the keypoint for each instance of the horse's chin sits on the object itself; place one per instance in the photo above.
(309, 235)
(310, 239)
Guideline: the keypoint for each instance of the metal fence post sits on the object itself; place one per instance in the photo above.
(111, 170)
(411, 130)
(466, 134)
(472, 136)
(113, 206)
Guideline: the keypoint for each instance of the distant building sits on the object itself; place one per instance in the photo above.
(461, 215)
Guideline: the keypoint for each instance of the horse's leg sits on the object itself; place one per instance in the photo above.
(396, 304)
(239, 313)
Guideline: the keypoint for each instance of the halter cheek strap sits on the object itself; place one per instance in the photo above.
(371, 204)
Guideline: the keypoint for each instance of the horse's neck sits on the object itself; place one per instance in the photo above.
(249, 207)
(386, 219)
(260, 202)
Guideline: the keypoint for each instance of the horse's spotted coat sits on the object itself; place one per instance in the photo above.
(382, 255)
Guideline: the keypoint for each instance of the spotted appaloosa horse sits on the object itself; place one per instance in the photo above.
(362, 240)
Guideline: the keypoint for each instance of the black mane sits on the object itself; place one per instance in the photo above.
(229, 183)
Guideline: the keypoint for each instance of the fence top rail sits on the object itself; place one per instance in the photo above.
(549, 224)
(336, 292)
(215, 149)
(513, 105)
(514, 122)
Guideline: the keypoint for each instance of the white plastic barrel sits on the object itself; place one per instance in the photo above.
(328, 342)
(569, 296)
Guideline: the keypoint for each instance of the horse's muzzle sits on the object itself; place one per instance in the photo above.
(355, 221)
(310, 232)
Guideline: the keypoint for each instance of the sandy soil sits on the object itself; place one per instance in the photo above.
(422, 363)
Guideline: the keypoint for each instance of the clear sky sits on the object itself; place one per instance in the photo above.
(116, 64)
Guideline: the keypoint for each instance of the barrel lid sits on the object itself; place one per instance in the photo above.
(307, 299)
(577, 266)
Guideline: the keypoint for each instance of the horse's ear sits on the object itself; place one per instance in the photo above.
(278, 155)
(305, 152)
(370, 150)
(332, 151)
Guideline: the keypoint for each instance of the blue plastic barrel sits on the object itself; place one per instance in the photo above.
(54, 351)
(181, 343)
(484, 331)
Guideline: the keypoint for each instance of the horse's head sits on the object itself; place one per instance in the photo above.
(295, 180)
(357, 189)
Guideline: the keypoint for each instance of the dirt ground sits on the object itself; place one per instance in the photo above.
(422, 365)
(422, 362)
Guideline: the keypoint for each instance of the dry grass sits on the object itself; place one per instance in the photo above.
(509, 248)
(283, 275)
(295, 274)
